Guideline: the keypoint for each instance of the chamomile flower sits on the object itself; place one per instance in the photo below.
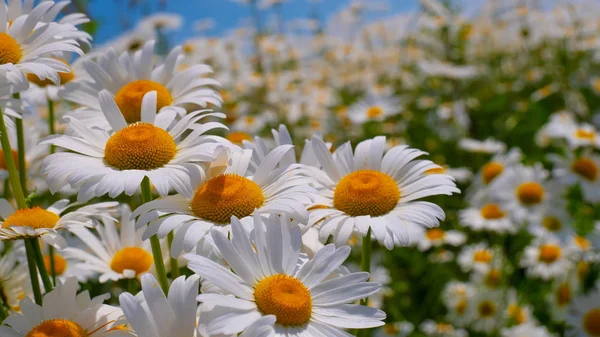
(553, 220)
(34, 222)
(117, 160)
(488, 216)
(523, 191)
(478, 257)
(268, 276)
(584, 315)
(369, 190)
(28, 42)
(374, 108)
(489, 145)
(436, 237)
(493, 169)
(114, 254)
(152, 314)
(546, 258)
(583, 170)
(228, 188)
(486, 311)
(65, 313)
(564, 290)
(516, 312)
(457, 297)
(130, 76)
(582, 135)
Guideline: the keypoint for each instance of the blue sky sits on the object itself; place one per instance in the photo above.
(228, 14)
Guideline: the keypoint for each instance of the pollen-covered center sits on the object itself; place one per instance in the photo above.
(60, 264)
(549, 253)
(435, 234)
(586, 168)
(132, 258)
(552, 223)
(482, 256)
(65, 77)
(530, 193)
(285, 297)
(591, 322)
(140, 146)
(34, 217)
(374, 112)
(57, 327)
(490, 171)
(10, 51)
(225, 195)
(238, 137)
(129, 98)
(585, 134)
(492, 211)
(366, 192)
(486, 309)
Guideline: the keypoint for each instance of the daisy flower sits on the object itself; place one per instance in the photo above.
(34, 222)
(487, 217)
(564, 290)
(130, 76)
(65, 268)
(373, 108)
(117, 160)
(478, 257)
(553, 220)
(115, 255)
(489, 145)
(28, 44)
(492, 170)
(584, 315)
(523, 191)
(485, 311)
(14, 278)
(436, 237)
(516, 312)
(152, 314)
(526, 330)
(546, 258)
(268, 276)
(229, 188)
(397, 329)
(582, 135)
(65, 313)
(583, 170)
(457, 296)
(370, 190)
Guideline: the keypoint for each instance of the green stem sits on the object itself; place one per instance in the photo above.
(13, 174)
(173, 260)
(39, 261)
(156, 250)
(52, 267)
(3, 311)
(6, 192)
(21, 154)
(366, 259)
(131, 285)
(35, 283)
(51, 129)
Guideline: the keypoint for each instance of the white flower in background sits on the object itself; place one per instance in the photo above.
(485, 311)
(479, 257)
(489, 145)
(436, 237)
(526, 330)
(374, 108)
(582, 135)
(14, 277)
(117, 160)
(44, 223)
(583, 318)
(546, 258)
(441, 329)
(493, 169)
(65, 313)
(487, 217)
(397, 329)
(268, 276)
(564, 290)
(553, 220)
(368, 189)
(583, 170)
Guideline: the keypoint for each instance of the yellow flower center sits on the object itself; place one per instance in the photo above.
(374, 112)
(591, 322)
(493, 278)
(483, 256)
(461, 307)
(549, 253)
(60, 264)
(140, 146)
(435, 234)
(225, 195)
(391, 329)
(585, 134)
(238, 137)
(366, 192)
(57, 328)
(10, 51)
(563, 294)
(490, 171)
(582, 242)
(530, 193)
(129, 98)
(583, 268)
(516, 313)
(486, 309)
(132, 258)
(285, 297)
(64, 78)
(34, 217)
(492, 211)
(552, 223)
(586, 168)
(3, 161)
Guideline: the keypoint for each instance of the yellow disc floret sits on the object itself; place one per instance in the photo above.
(549, 253)
(225, 195)
(57, 327)
(34, 217)
(490, 171)
(60, 264)
(129, 98)
(132, 258)
(586, 168)
(374, 112)
(140, 146)
(591, 322)
(238, 137)
(435, 234)
(285, 297)
(552, 223)
(486, 309)
(10, 51)
(482, 256)
(563, 294)
(492, 211)
(65, 77)
(366, 192)
(530, 193)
